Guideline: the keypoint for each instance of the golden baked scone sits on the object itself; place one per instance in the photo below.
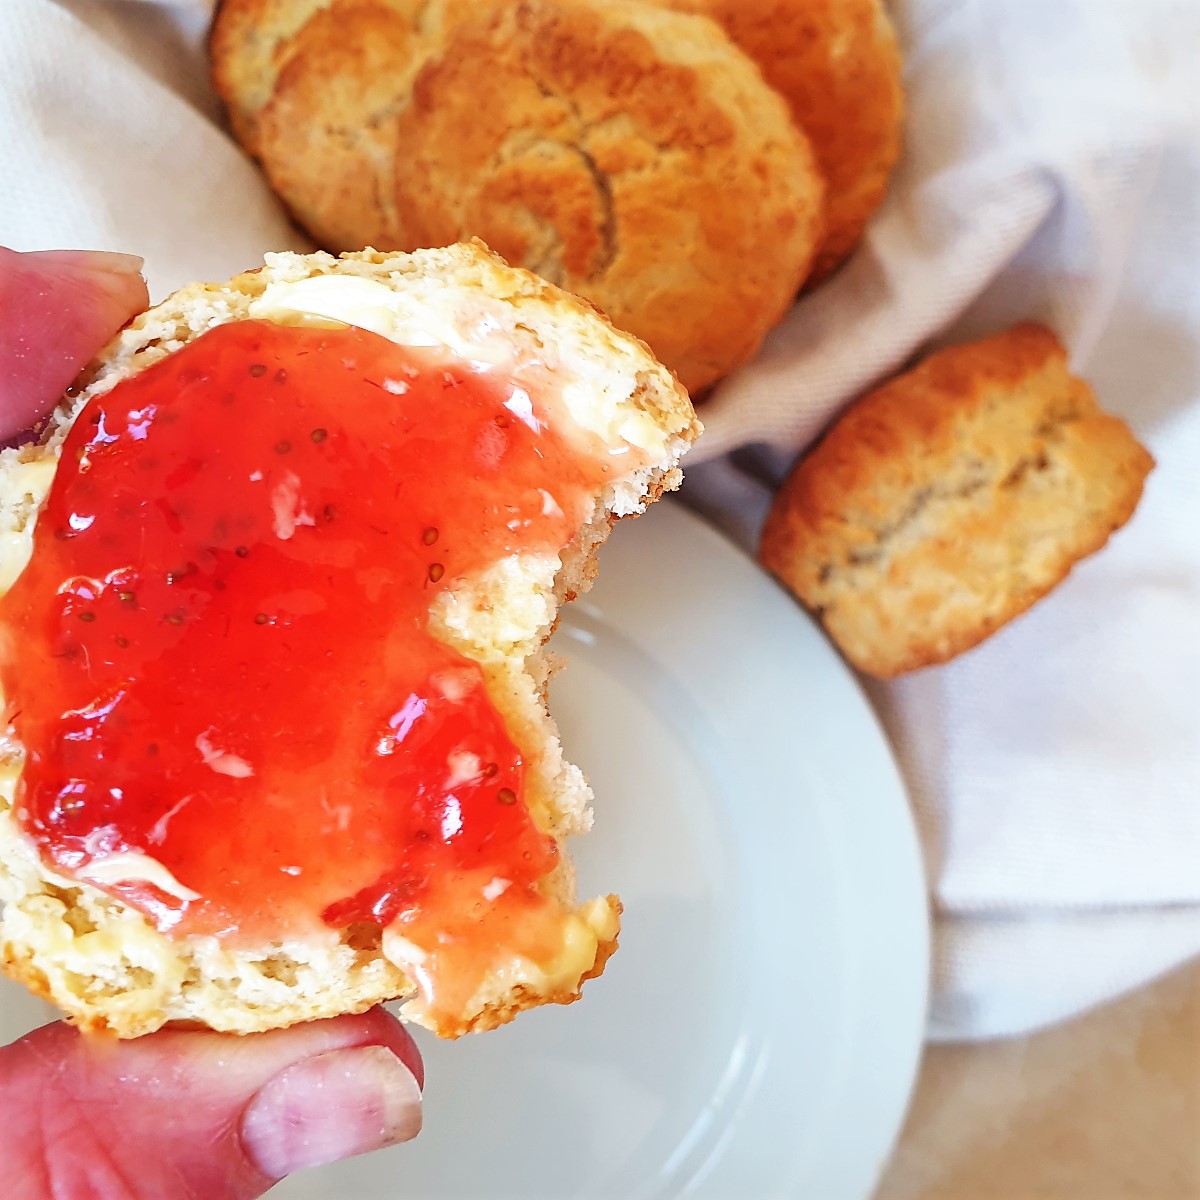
(837, 64)
(351, 64)
(197, 865)
(312, 87)
(949, 500)
(248, 46)
(627, 153)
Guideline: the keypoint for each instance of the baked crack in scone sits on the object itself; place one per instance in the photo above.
(276, 581)
(630, 154)
(946, 502)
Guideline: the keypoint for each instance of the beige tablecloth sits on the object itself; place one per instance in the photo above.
(1104, 1108)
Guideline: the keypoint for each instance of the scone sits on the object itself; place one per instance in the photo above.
(277, 579)
(949, 500)
(630, 154)
(311, 88)
(837, 64)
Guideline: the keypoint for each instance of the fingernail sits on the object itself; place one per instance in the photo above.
(329, 1107)
(105, 262)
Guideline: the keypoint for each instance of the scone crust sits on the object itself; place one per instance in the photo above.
(837, 64)
(100, 960)
(629, 154)
(248, 47)
(951, 499)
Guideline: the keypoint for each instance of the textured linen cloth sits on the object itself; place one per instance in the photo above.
(1051, 171)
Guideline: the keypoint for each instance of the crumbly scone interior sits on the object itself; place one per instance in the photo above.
(102, 961)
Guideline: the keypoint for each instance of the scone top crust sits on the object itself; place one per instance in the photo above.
(246, 42)
(837, 64)
(100, 959)
(252, 43)
(949, 500)
(627, 153)
(325, 132)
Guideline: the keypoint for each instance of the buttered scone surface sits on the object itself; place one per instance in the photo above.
(277, 743)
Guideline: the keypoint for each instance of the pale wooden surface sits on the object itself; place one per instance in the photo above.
(1104, 1108)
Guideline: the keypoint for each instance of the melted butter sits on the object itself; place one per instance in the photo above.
(401, 317)
(21, 483)
(408, 320)
(131, 867)
(558, 970)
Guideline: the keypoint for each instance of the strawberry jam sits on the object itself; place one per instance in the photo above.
(218, 656)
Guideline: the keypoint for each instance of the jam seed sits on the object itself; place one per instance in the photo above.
(261, 618)
(241, 552)
(258, 370)
(123, 642)
(506, 796)
(127, 597)
(319, 435)
(87, 616)
(491, 770)
(329, 512)
(174, 618)
(436, 572)
(281, 376)
(283, 446)
(429, 536)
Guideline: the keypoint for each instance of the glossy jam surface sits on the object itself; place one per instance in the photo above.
(218, 655)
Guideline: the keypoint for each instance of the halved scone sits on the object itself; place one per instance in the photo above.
(277, 577)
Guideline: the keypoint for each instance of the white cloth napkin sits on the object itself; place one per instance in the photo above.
(1051, 170)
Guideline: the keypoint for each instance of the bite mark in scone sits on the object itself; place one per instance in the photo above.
(278, 579)
(952, 498)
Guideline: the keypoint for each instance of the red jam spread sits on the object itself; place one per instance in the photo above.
(219, 657)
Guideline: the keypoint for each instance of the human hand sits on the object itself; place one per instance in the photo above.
(178, 1114)
(192, 1114)
(57, 308)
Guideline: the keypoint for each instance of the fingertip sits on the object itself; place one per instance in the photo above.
(229, 1115)
(331, 1107)
(101, 262)
(57, 309)
(385, 1029)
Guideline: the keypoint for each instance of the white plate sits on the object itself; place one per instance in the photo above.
(759, 1030)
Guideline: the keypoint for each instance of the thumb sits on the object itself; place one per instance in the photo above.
(57, 308)
(198, 1114)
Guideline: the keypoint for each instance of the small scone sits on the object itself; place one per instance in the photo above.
(630, 154)
(837, 64)
(274, 586)
(949, 500)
